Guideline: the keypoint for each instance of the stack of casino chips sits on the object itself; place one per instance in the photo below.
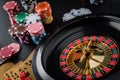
(28, 5)
(21, 20)
(35, 27)
(36, 31)
(44, 10)
(12, 8)
(20, 31)
(7, 51)
(12, 31)
(17, 18)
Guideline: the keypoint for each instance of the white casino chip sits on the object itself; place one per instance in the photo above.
(84, 11)
(76, 12)
(67, 16)
(32, 18)
(96, 2)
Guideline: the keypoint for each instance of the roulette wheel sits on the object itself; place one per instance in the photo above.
(85, 48)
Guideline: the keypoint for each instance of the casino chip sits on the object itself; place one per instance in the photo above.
(32, 18)
(10, 5)
(1, 55)
(44, 10)
(68, 16)
(12, 31)
(21, 17)
(96, 2)
(22, 34)
(76, 12)
(2, 58)
(28, 5)
(12, 8)
(6, 51)
(35, 29)
(83, 11)
(15, 47)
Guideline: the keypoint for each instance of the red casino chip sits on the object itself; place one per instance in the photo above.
(15, 47)
(12, 8)
(7, 52)
(1, 55)
(35, 29)
(9, 5)
(12, 20)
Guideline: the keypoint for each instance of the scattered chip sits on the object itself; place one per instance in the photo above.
(2, 58)
(76, 12)
(96, 2)
(6, 51)
(68, 16)
(15, 47)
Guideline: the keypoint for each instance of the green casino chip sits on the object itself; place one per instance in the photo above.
(21, 17)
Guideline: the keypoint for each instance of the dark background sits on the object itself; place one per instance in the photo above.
(59, 7)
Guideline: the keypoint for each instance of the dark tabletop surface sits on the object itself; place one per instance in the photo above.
(59, 7)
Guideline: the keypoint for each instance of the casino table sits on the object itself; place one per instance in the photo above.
(59, 7)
